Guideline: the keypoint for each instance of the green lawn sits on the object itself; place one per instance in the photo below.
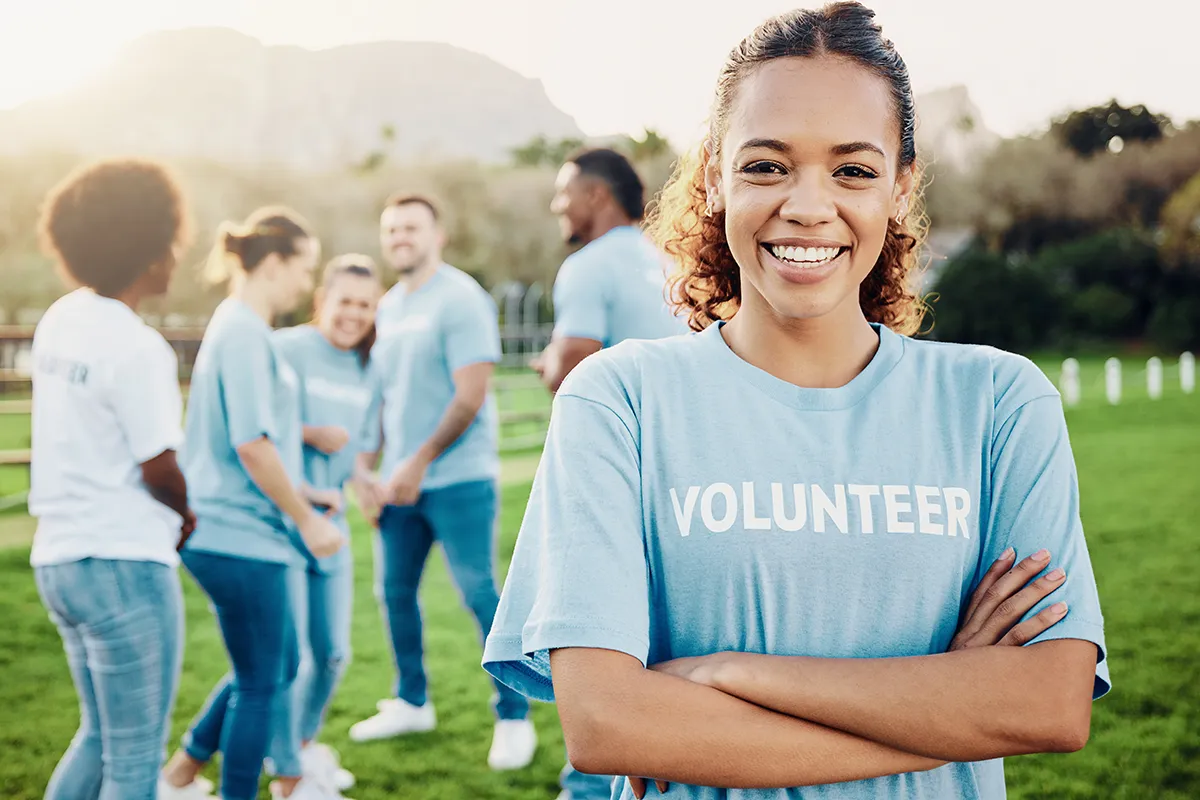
(1138, 465)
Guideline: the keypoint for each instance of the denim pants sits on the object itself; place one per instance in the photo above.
(121, 624)
(582, 786)
(462, 518)
(322, 602)
(250, 599)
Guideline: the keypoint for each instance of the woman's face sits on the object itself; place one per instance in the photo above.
(346, 309)
(292, 277)
(807, 177)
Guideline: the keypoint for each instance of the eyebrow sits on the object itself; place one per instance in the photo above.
(847, 149)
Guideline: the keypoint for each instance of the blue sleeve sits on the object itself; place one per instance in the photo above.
(579, 576)
(473, 332)
(289, 347)
(1035, 504)
(580, 302)
(247, 371)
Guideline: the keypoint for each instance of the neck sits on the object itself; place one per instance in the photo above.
(605, 221)
(421, 275)
(821, 353)
(255, 295)
(131, 297)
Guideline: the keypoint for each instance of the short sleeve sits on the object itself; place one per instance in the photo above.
(579, 576)
(1034, 505)
(472, 332)
(580, 304)
(146, 400)
(247, 371)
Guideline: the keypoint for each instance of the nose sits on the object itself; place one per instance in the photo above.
(809, 201)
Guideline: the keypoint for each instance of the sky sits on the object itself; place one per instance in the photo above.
(653, 63)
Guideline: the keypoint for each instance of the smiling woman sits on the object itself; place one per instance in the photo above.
(808, 581)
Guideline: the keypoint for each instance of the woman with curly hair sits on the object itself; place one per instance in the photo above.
(789, 555)
(109, 495)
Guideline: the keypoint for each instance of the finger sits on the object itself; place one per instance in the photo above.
(1010, 612)
(1005, 587)
(1035, 626)
(639, 787)
(662, 786)
(998, 568)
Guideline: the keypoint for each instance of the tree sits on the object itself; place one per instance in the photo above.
(1092, 130)
(1180, 247)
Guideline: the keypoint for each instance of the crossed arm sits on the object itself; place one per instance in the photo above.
(741, 720)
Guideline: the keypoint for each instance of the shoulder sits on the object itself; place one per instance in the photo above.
(295, 339)
(619, 376)
(459, 289)
(1013, 379)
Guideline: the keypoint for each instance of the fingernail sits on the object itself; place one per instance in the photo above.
(1041, 555)
(1007, 554)
(1056, 574)
(1058, 608)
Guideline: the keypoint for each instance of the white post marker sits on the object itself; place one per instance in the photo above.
(1069, 383)
(1154, 378)
(1112, 380)
(1187, 373)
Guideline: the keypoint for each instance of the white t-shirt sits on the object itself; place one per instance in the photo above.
(106, 399)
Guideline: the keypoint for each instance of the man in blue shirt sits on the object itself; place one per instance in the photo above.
(612, 288)
(438, 343)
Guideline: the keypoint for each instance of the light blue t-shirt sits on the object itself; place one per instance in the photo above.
(336, 388)
(762, 517)
(448, 323)
(241, 390)
(612, 290)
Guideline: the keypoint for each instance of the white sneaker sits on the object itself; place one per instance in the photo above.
(320, 761)
(199, 789)
(513, 744)
(308, 789)
(395, 718)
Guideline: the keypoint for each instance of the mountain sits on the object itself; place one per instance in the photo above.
(214, 93)
(950, 128)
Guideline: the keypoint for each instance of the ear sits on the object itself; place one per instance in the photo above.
(902, 193)
(712, 179)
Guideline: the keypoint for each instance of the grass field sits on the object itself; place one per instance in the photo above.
(1138, 465)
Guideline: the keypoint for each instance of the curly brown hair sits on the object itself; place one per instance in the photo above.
(707, 281)
(108, 222)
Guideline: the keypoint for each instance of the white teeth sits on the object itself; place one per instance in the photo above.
(806, 256)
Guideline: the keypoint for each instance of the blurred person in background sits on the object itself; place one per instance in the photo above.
(339, 411)
(255, 519)
(439, 342)
(613, 287)
(105, 486)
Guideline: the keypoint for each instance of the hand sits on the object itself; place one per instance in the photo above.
(538, 364)
(404, 487)
(331, 499)
(327, 438)
(186, 529)
(639, 787)
(697, 669)
(999, 602)
(370, 494)
(321, 537)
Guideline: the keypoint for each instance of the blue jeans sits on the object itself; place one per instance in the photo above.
(462, 518)
(581, 786)
(250, 599)
(321, 606)
(122, 628)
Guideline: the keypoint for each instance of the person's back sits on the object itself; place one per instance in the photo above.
(90, 434)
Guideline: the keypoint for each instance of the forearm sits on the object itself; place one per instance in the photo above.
(458, 417)
(968, 705)
(165, 482)
(365, 464)
(262, 462)
(311, 434)
(645, 723)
